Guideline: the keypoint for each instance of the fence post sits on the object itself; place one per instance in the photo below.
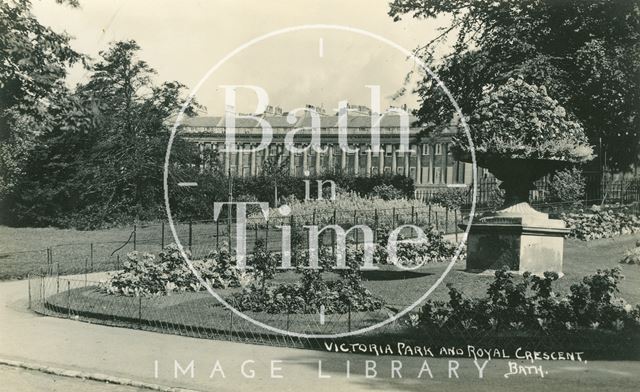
(162, 241)
(413, 211)
(229, 227)
(117, 261)
(393, 217)
(429, 219)
(58, 278)
(69, 298)
(139, 311)
(29, 287)
(375, 232)
(355, 222)
(135, 229)
(455, 223)
(333, 236)
(92, 257)
(190, 235)
(86, 263)
(217, 233)
(349, 317)
(446, 219)
(437, 224)
(50, 258)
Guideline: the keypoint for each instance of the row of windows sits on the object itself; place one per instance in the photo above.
(425, 149)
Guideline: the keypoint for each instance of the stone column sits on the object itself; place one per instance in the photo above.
(317, 163)
(445, 169)
(330, 163)
(418, 165)
(227, 162)
(253, 163)
(201, 148)
(381, 161)
(407, 156)
(279, 154)
(368, 173)
(305, 161)
(292, 163)
(343, 161)
(356, 162)
(431, 158)
(240, 165)
(394, 163)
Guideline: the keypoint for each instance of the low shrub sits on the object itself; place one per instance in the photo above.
(412, 254)
(532, 305)
(387, 192)
(341, 295)
(345, 204)
(146, 274)
(567, 185)
(632, 256)
(452, 198)
(601, 223)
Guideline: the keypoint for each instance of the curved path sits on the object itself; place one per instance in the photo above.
(119, 352)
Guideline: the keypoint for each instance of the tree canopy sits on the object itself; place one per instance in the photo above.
(585, 52)
(33, 64)
(107, 165)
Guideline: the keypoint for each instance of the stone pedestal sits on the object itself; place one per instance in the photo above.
(519, 237)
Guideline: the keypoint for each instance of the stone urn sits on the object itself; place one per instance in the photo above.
(516, 235)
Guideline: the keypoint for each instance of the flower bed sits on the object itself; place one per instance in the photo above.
(146, 274)
(342, 295)
(532, 305)
(344, 206)
(601, 223)
(435, 249)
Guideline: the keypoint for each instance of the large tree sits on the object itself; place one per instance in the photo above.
(33, 64)
(586, 52)
(102, 162)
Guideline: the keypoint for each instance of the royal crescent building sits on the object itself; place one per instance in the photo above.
(429, 161)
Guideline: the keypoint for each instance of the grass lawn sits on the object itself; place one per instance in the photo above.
(580, 258)
(199, 314)
(24, 250)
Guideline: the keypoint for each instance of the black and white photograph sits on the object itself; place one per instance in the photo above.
(355, 195)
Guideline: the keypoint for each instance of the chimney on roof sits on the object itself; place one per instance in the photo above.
(317, 109)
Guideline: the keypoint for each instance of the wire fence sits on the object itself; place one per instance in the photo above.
(203, 236)
(599, 188)
(199, 315)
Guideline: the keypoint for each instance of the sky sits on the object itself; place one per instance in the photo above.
(183, 40)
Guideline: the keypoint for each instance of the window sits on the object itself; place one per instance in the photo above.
(388, 150)
(438, 149)
(437, 175)
(413, 150)
(387, 170)
(425, 149)
(412, 173)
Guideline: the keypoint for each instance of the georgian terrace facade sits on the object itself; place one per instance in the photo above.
(429, 163)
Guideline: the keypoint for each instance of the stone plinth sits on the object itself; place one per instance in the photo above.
(519, 237)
